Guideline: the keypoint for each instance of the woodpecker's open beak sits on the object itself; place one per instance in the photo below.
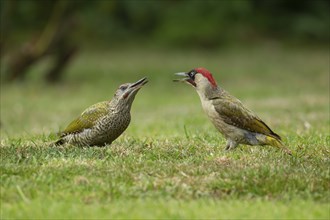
(139, 83)
(135, 87)
(187, 78)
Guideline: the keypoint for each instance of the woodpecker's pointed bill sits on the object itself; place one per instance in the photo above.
(188, 78)
(140, 83)
(134, 88)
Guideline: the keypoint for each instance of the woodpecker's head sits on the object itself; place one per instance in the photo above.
(125, 93)
(201, 79)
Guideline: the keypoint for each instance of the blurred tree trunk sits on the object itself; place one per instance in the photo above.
(6, 10)
(53, 41)
(61, 61)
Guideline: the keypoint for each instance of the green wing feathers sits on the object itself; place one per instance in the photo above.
(87, 119)
(234, 113)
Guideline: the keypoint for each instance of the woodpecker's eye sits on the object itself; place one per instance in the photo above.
(123, 88)
(191, 74)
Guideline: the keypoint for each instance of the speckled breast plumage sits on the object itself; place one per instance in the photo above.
(106, 130)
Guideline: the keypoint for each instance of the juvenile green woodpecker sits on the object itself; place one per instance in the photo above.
(238, 124)
(102, 123)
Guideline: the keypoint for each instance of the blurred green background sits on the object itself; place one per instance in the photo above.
(32, 30)
(185, 24)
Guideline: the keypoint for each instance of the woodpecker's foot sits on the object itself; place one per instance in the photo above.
(286, 150)
(230, 145)
(59, 142)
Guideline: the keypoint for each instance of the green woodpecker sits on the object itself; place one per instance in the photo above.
(102, 123)
(238, 124)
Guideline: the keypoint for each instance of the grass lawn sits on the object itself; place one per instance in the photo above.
(170, 162)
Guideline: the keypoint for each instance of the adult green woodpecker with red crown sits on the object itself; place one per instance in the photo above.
(238, 124)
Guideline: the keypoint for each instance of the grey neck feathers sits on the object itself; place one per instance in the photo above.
(121, 105)
(210, 93)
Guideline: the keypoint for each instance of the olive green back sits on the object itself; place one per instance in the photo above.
(87, 119)
(233, 112)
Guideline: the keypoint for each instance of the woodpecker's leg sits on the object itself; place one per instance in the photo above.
(231, 144)
(59, 142)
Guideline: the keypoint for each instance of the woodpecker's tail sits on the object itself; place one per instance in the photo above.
(273, 141)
